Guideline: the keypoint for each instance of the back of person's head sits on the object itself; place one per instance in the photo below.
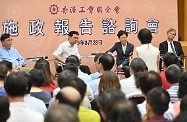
(29, 81)
(73, 59)
(109, 79)
(107, 61)
(124, 111)
(181, 117)
(121, 32)
(37, 76)
(4, 36)
(158, 100)
(61, 113)
(106, 99)
(4, 109)
(3, 71)
(145, 36)
(97, 56)
(182, 85)
(173, 74)
(149, 80)
(85, 69)
(138, 65)
(44, 65)
(70, 96)
(72, 67)
(15, 84)
(183, 105)
(72, 32)
(169, 58)
(8, 64)
(64, 75)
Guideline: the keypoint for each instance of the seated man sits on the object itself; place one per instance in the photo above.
(10, 53)
(66, 49)
(124, 50)
(171, 46)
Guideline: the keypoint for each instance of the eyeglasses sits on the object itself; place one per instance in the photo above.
(8, 40)
(97, 62)
(174, 34)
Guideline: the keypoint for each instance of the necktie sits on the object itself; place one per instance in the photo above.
(173, 49)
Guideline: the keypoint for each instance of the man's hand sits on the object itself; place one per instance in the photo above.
(120, 66)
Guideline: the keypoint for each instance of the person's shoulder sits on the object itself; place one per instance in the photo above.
(163, 42)
(130, 43)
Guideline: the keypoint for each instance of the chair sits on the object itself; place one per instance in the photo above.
(138, 99)
(184, 64)
(119, 71)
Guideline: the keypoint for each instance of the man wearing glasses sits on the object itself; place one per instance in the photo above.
(10, 53)
(172, 46)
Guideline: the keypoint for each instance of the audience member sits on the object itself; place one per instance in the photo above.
(49, 84)
(9, 65)
(104, 63)
(129, 85)
(157, 103)
(181, 117)
(4, 109)
(167, 60)
(124, 51)
(124, 111)
(148, 81)
(85, 69)
(107, 99)
(173, 74)
(109, 79)
(38, 80)
(95, 75)
(183, 105)
(16, 87)
(63, 113)
(33, 103)
(10, 53)
(66, 49)
(3, 75)
(172, 46)
(148, 52)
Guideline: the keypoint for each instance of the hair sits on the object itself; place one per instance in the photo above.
(44, 65)
(37, 76)
(72, 67)
(106, 99)
(149, 80)
(181, 117)
(182, 85)
(73, 59)
(64, 75)
(4, 109)
(145, 36)
(124, 111)
(85, 69)
(173, 73)
(109, 79)
(138, 66)
(8, 64)
(158, 98)
(170, 58)
(5, 36)
(3, 71)
(121, 32)
(171, 30)
(72, 32)
(15, 84)
(97, 56)
(63, 113)
(183, 104)
(65, 98)
(29, 81)
(107, 61)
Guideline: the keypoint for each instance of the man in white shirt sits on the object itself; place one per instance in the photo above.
(15, 87)
(67, 48)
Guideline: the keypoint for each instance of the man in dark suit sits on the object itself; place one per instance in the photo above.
(124, 51)
(172, 46)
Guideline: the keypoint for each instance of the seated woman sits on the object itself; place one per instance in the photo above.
(38, 78)
(49, 84)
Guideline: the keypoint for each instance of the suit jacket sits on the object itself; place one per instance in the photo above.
(163, 47)
(122, 58)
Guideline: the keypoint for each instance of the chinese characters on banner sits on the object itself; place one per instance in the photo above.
(61, 26)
